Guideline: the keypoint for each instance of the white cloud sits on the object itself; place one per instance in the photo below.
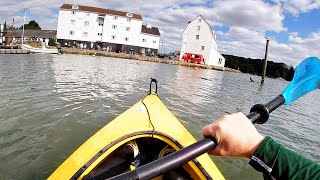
(252, 44)
(296, 7)
(247, 22)
(256, 15)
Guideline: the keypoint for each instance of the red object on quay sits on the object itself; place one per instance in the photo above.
(193, 58)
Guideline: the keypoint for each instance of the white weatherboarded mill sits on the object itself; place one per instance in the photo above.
(199, 38)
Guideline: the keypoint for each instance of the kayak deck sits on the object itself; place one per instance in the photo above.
(151, 131)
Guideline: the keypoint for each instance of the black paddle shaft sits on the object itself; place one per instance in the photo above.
(258, 114)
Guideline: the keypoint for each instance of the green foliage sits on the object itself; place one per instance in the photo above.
(5, 29)
(31, 25)
(52, 42)
(254, 66)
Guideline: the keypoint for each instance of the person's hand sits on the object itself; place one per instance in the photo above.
(235, 134)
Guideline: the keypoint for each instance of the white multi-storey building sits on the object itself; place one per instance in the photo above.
(114, 31)
(199, 38)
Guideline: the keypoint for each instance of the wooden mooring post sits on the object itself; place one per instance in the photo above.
(264, 69)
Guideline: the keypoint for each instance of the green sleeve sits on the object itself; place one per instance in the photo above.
(276, 161)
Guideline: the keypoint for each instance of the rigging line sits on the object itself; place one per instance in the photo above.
(153, 129)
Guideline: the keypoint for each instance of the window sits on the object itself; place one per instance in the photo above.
(199, 20)
(127, 28)
(73, 12)
(73, 22)
(115, 17)
(198, 28)
(88, 14)
(126, 38)
(129, 14)
(113, 37)
(129, 19)
(220, 61)
(86, 23)
(144, 40)
(197, 36)
(114, 26)
(71, 32)
(202, 47)
(154, 42)
(100, 24)
(85, 34)
(75, 7)
(99, 34)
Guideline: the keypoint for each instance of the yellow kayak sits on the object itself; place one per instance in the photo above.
(145, 132)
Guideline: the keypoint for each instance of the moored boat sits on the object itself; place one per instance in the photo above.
(145, 132)
(40, 50)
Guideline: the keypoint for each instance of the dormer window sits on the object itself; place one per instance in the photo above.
(129, 14)
(75, 7)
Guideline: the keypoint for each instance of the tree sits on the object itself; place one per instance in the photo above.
(31, 25)
(5, 28)
(254, 66)
(52, 42)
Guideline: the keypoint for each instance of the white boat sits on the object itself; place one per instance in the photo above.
(40, 50)
(33, 49)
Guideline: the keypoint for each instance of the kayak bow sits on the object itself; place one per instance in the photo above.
(144, 133)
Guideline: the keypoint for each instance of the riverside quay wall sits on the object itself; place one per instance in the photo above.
(141, 58)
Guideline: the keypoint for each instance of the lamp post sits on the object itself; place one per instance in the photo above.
(264, 69)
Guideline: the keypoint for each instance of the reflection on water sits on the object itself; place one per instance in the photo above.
(50, 104)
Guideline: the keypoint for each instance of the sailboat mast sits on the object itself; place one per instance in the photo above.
(24, 22)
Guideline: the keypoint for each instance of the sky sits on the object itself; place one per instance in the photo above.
(241, 26)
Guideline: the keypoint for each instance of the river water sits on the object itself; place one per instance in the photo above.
(50, 104)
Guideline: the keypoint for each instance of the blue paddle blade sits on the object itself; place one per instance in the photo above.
(306, 79)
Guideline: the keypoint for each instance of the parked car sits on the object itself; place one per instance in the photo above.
(193, 58)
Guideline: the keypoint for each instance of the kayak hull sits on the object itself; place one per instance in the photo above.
(148, 119)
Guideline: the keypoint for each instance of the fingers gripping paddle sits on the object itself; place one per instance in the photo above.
(306, 79)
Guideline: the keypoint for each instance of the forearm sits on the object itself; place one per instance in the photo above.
(274, 160)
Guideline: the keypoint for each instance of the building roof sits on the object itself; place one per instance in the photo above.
(150, 30)
(212, 33)
(33, 33)
(100, 11)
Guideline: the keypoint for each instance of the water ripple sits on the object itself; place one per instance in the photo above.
(50, 104)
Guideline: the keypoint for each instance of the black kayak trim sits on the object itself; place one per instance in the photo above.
(103, 150)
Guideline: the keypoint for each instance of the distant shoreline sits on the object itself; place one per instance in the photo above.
(142, 58)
